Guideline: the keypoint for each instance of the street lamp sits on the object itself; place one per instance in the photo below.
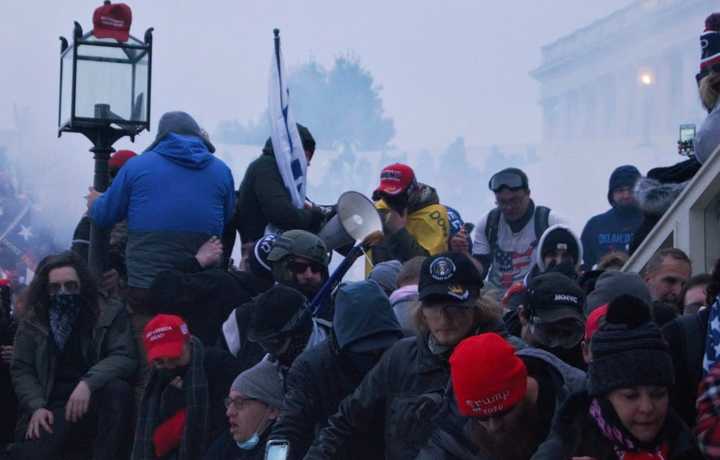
(104, 95)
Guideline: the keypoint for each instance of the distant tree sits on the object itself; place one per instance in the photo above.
(342, 107)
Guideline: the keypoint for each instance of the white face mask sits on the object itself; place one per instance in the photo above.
(250, 443)
(254, 439)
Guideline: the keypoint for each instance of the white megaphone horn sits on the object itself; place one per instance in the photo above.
(355, 220)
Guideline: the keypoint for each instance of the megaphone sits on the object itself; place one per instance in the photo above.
(356, 218)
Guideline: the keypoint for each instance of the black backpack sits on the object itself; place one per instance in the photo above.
(541, 216)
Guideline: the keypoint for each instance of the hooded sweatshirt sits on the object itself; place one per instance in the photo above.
(324, 375)
(539, 266)
(174, 198)
(612, 230)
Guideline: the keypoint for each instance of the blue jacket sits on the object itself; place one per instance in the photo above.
(174, 198)
(610, 231)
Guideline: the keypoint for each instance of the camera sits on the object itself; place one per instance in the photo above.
(277, 449)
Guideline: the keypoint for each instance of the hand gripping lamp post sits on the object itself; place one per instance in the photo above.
(105, 77)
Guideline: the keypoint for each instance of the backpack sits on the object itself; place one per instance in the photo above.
(541, 216)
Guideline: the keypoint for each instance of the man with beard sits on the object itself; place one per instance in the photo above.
(182, 406)
(300, 260)
(414, 221)
(552, 317)
(404, 390)
(614, 229)
(666, 274)
(559, 250)
(505, 399)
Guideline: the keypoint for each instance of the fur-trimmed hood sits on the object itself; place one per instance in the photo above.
(655, 197)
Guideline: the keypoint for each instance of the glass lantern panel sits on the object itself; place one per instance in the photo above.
(66, 87)
(141, 82)
(104, 75)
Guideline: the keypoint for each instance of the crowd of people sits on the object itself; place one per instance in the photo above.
(511, 339)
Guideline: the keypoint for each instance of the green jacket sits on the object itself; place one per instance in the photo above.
(111, 349)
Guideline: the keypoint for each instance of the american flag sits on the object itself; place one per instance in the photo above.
(712, 344)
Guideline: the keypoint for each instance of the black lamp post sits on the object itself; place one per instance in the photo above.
(105, 95)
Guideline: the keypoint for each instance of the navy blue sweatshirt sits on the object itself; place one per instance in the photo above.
(610, 231)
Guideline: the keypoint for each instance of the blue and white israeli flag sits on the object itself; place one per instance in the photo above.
(289, 153)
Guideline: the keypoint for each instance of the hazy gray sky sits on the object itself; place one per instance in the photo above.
(447, 68)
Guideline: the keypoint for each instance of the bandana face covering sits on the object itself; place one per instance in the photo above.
(63, 313)
(626, 446)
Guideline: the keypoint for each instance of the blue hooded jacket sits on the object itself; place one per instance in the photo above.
(174, 198)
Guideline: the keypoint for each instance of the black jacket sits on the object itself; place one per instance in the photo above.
(575, 434)
(686, 336)
(322, 376)
(225, 448)
(203, 297)
(262, 198)
(407, 381)
(558, 381)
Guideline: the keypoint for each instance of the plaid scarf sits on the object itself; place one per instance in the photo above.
(195, 385)
(708, 414)
(62, 314)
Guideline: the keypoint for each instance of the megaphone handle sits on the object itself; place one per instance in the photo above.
(318, 301)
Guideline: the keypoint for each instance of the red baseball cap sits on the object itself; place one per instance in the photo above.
(164, 337)
(487, 377)
(594, 321)
(119, 158)
(395, 179)
(112, 20)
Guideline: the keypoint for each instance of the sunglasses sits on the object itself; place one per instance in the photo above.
(299, 267)
(507, 179)
(67, 287)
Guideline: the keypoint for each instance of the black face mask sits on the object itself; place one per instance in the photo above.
(566, 268)
(398, 203)
(167, 375)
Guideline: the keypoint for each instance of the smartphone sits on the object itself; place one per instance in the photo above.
(687, 133)
(687, 138)
(277, 449)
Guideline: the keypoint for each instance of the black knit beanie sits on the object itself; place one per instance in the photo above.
(628, 350)
(273, 310)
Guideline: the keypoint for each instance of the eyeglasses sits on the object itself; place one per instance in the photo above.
(299, 267)
(507, 179)
(67, 287)
(237, 403)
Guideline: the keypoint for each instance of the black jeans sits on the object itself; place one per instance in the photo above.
(104, 428)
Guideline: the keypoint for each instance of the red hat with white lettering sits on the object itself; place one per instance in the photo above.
(395, 179)
(165, 336)
(487, 377)
(112, 20)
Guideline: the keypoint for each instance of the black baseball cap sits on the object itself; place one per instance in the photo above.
(449, 276)
(512, 178)
(553, 296)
